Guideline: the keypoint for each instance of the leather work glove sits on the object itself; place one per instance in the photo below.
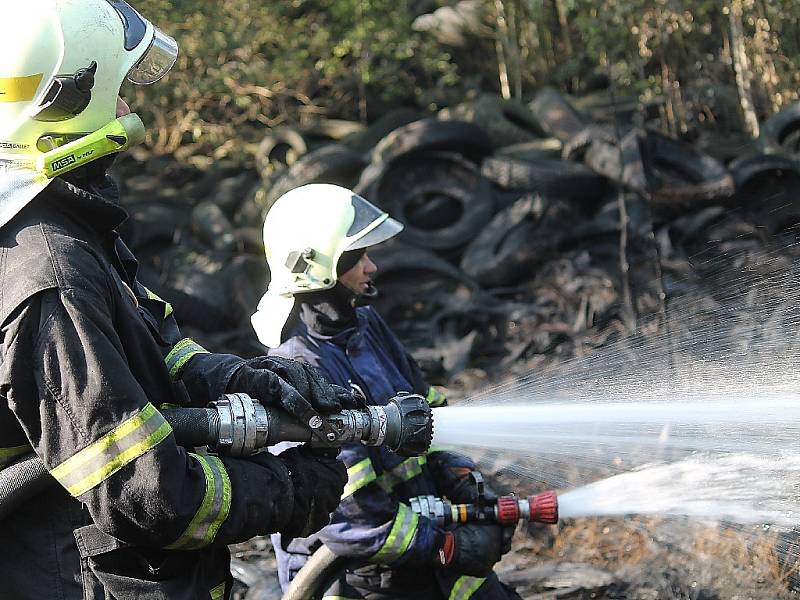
(471, 549)
(318, 485)
(293, 386)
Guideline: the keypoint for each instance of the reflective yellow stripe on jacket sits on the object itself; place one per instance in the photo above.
(213, 509)
(406, 470)
(10, 454)
(218, 592)
(399, 538)
(125, 443)
(153, 296)
(180, 355)
(362, 473)
(359, 475)
(465, 586)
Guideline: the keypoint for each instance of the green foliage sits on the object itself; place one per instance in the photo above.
(246, 66)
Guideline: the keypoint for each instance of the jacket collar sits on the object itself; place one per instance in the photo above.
(90, 200)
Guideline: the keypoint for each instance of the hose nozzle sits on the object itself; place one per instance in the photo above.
(543, 508)
(539, 508)
(238, 425)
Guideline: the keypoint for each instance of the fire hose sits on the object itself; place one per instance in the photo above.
(324, 566)
(238, 425)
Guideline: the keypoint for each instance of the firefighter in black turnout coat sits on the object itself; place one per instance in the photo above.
(89, 354)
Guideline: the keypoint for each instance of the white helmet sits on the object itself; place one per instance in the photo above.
(64, 62)
(305, 233)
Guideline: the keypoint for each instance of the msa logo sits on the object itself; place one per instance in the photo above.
(63, 162)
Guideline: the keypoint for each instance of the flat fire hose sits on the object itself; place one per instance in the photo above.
(315, 574)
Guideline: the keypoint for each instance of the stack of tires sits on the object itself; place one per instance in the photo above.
(513, 215)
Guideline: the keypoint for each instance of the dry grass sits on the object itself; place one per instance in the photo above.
(664, 559)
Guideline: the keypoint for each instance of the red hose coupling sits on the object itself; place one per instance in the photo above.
(507, 510)
(544, 507)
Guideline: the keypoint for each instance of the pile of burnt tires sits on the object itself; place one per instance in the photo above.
(514, 215)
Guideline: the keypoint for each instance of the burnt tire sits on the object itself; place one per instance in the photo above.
(670, 172)
(333, 163)
(429, 224)
(766, 186)
(364, 141)
(504, 121)
(333, 129)
(532, 151)
(575, 148)
(153, 223)
(549, 177)
(555, 115)
(516, 240)
(397, 259)
(441, 199)
(747, 170)
(282, 147)
(779, 133)
(432, 135)
(676, 172)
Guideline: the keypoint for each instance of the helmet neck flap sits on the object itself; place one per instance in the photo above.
(64, 64)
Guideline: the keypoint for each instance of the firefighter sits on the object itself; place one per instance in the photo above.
(89, 354)
(317, 310)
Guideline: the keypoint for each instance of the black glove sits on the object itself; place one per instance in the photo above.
(458, 486)
(262, 497)
(462, 490)
(472, 549)
(318, 486)
(296, 387)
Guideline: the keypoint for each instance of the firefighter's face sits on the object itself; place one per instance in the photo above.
(359, 277)
(122, 107)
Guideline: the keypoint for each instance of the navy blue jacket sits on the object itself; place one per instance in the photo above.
(373, 523)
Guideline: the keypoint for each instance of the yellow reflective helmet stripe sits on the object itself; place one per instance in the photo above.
(213, 510)
(10, 454)
(435, 398)
(19, 89)
(399, 538)
(465, 586)
(125, 443)
(405, 471)
(218, 592)
(359, 475)
(180, 355)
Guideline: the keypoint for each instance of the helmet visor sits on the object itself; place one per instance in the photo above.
(370, 225)
(157, 60)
